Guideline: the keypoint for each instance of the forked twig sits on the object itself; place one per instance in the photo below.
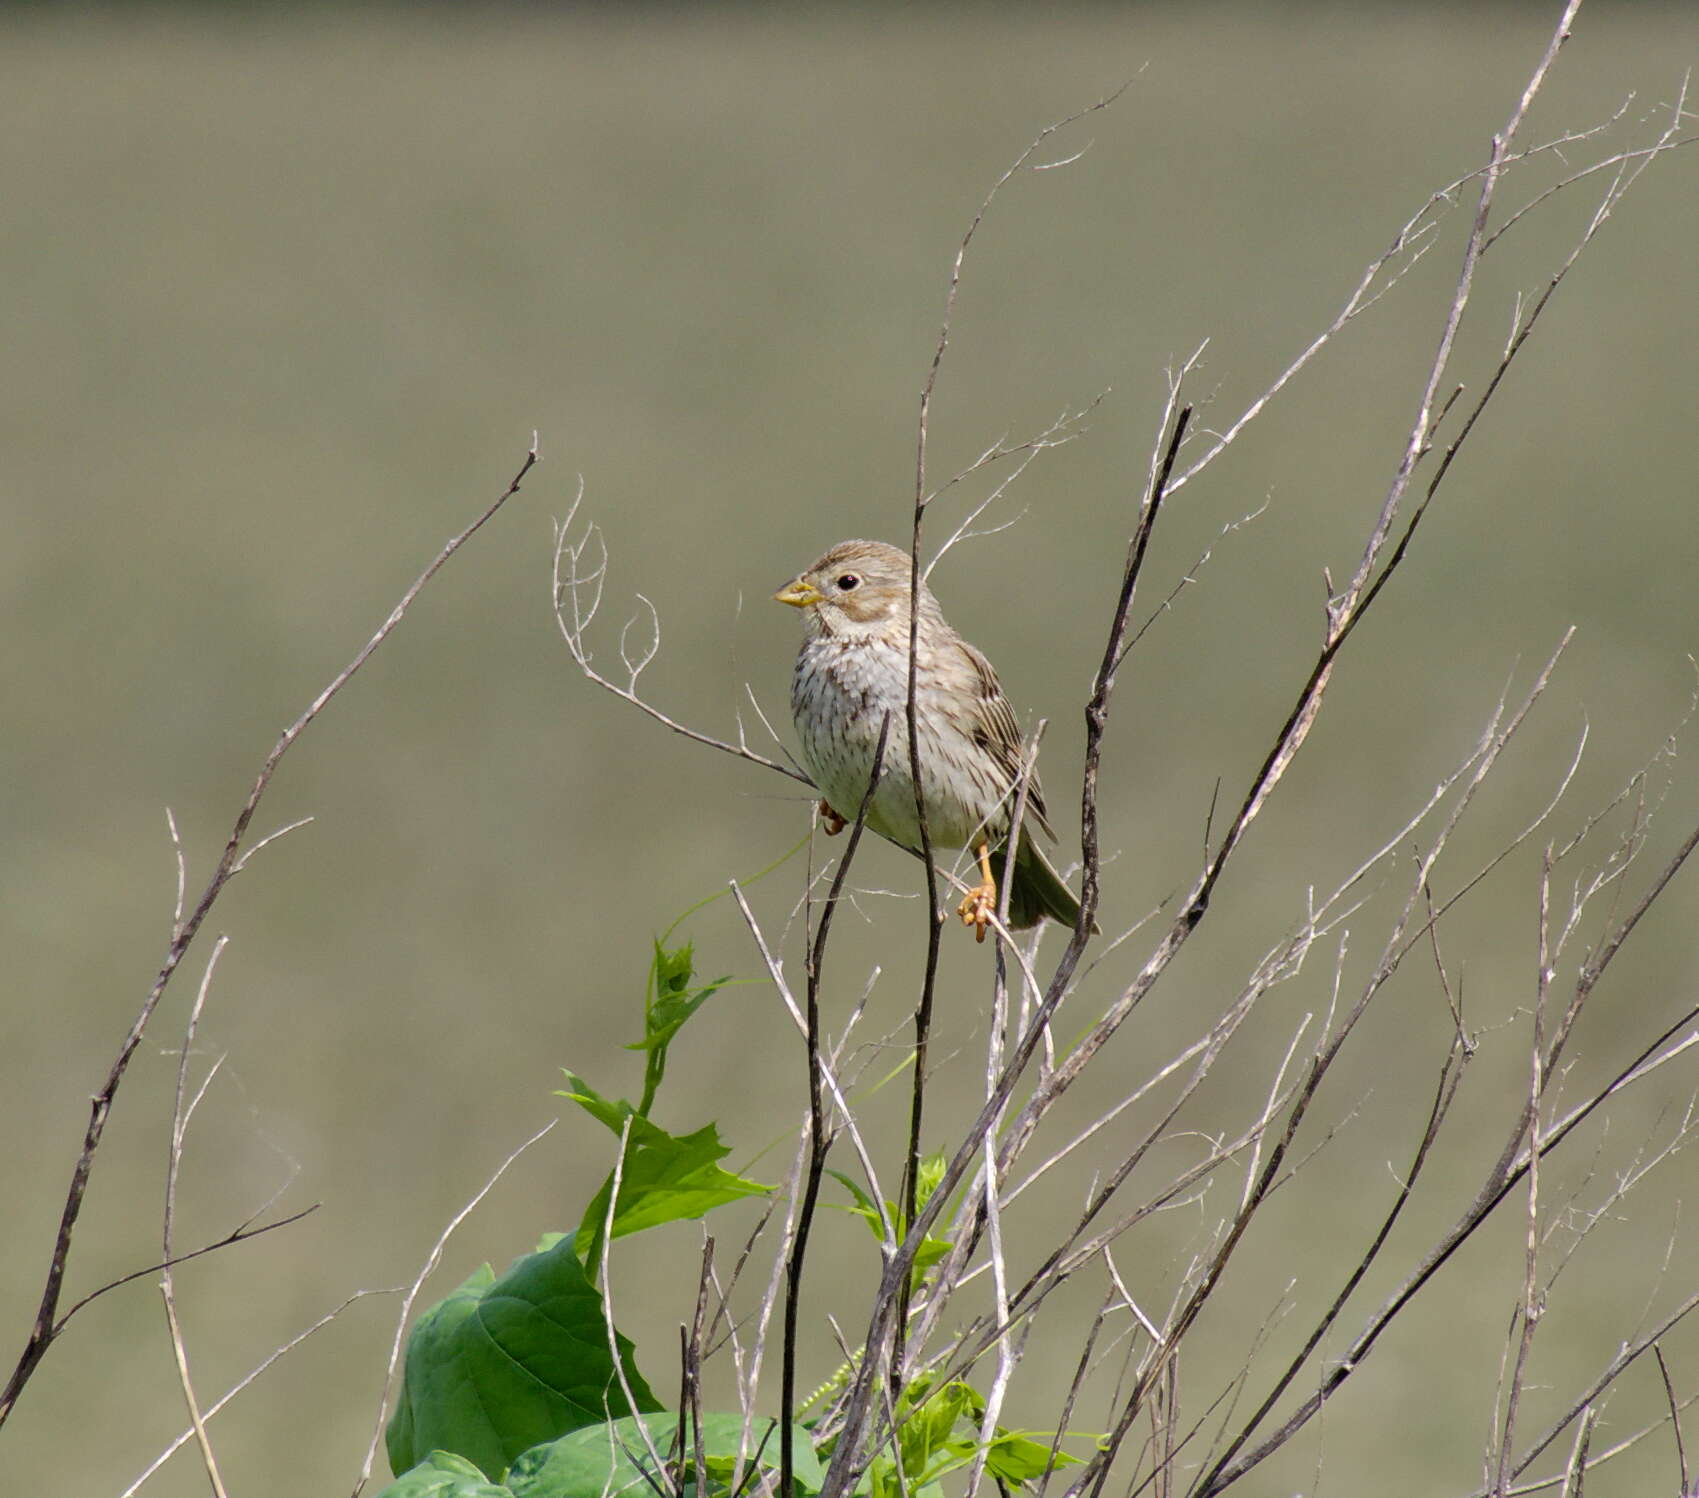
(580, 577)
(48, 1323)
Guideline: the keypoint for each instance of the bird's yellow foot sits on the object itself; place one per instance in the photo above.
(981, 902)
(833, 823)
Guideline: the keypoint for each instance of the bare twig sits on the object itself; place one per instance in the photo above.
(580, 576)
(610, 1331)
(48, 1323)
(1686, 1488)
(1531, 1307)
(167, 1284)
(1580, 1408)
(817, 1141)
(248, 1378)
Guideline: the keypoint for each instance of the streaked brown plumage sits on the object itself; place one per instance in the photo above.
(853, 668)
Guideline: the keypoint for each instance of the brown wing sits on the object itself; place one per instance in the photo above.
(996, 731)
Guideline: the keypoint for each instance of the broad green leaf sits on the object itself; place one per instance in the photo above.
(665, 1177)
(613, 1459)
(502, 1365)
(404, 1448)
(442, 1474)
(1017, 1458)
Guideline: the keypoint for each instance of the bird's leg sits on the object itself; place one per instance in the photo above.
(833, 823)
(981, 902)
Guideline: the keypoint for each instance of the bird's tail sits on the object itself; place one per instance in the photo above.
(1038, 890)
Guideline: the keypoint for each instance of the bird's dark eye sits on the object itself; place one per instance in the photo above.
(848, 582)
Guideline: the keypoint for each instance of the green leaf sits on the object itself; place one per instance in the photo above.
(442, 1474)
(928, 1178)
(938, 1434)
(667, 1016)
(1016, 1458)
(613, 1458)
(672, 971)
(863, 1201)
(404, 1447)
(607, 1111)
(615, 1113)
(671, 999)
(931, 1250)
(502, 1365)
(930, 1429)
(665, 1177)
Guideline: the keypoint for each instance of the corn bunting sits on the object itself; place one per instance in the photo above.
(853, 669)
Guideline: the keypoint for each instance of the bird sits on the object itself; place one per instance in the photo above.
(852, 670)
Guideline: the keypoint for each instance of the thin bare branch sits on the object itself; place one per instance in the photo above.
(167, 1284)
(818, 1143)
(1686, 1488)
(579, 579)
(247, 1379)
(48, 1322)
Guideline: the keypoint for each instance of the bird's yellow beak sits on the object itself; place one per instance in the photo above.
(798, 594)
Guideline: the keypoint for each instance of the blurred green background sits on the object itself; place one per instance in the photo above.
(287, 291)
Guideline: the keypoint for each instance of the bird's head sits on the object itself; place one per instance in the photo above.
(857, 588)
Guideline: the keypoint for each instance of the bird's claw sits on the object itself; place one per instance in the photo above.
(830, 820)
(981, 902)
(978, 908)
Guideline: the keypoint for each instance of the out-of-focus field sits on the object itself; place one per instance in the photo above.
(285, 296)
